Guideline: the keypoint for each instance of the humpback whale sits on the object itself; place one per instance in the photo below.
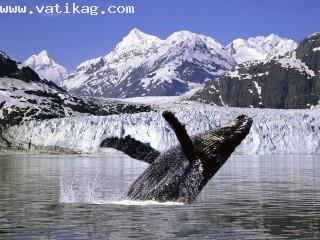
(180, 173)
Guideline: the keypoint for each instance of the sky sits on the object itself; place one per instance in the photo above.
(72, 39)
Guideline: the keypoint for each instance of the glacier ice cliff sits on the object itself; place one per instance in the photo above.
(273, 131)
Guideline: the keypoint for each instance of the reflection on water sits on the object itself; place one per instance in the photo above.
(82, 197)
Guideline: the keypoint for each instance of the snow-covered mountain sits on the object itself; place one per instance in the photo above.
(290, 81)
(25, 96)
(46, 67)
(145, 65)
(273, 131)
(260, 48)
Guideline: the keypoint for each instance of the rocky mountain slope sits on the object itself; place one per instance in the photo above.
(25, 96)
(291, 81)
(46, 67)
(260, 48)
(144, 65)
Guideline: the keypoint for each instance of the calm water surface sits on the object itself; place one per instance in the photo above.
(83, 197)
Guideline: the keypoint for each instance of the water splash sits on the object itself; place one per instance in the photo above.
(102, 180)
(91, 193)
(90, 190)
(141, 203)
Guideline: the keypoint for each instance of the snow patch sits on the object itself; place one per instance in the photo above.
(257, 87)
(294, 63)
(316, 49)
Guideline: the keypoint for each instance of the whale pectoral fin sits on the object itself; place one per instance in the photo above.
(132, 147)
(182, 135)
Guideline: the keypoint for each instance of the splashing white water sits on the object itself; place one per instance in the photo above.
(91, 193)
(98, 179)
(140, 203)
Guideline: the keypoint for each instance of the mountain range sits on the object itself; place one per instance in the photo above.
(261, 72)
(268, 72)
(25, 96)
(287, 82)
(145, 65)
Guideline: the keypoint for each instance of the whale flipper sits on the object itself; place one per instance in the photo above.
(182, 135)
(132, 147)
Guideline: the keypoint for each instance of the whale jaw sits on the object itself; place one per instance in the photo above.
(215, 147)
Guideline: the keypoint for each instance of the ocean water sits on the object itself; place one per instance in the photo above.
(83, 197)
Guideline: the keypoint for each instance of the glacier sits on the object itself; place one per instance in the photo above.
(273, 131)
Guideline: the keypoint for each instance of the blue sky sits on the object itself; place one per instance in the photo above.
(73, 39)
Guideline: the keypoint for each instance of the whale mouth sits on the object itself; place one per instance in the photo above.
(231, 133)
(242, 122)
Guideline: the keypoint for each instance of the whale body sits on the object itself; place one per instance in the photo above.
(180, 173)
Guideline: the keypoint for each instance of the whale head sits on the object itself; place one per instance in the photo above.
(214, 147)
(222, 141)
